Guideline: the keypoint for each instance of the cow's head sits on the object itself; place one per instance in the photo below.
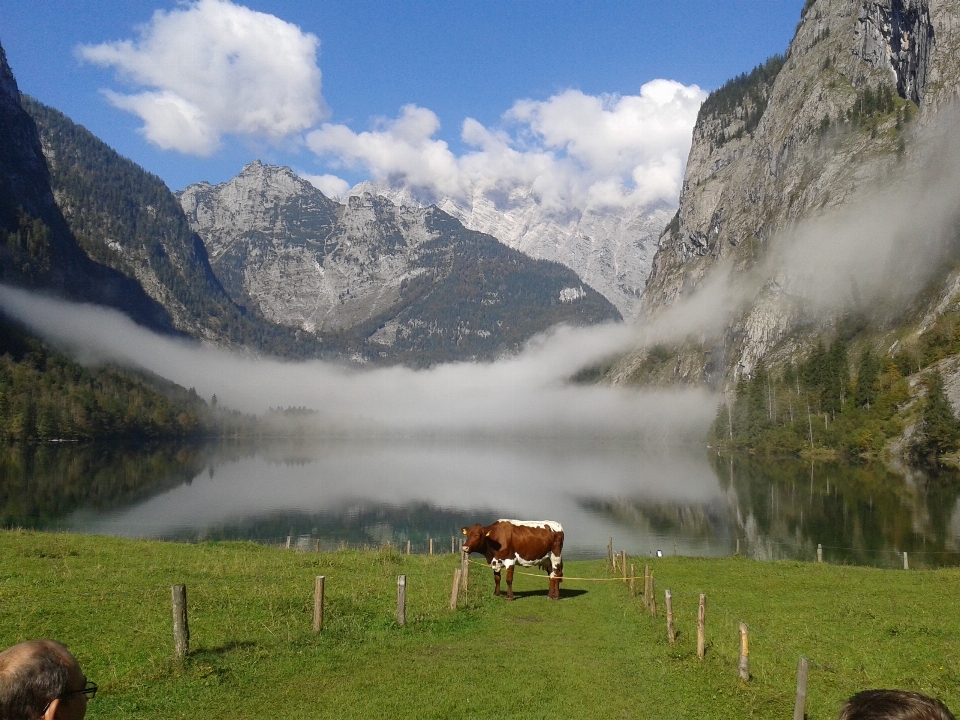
(475, 540)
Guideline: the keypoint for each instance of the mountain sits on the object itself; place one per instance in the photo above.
(611, 249)
(127, 219)
(812, 271)
(816, 149)
(38, 249)
(375, 280)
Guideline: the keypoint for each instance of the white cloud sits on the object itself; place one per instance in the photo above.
(403, 150)
(330, 185)
(573, 150)
(211, 68)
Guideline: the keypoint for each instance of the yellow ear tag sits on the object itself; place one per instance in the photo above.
(463, 532)
(487, 534)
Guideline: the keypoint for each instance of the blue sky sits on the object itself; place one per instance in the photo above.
(450, 60)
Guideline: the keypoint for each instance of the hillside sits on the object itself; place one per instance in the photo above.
(377, 281)
(38, 249)
(128, 220)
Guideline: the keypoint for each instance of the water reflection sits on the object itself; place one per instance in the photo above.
(370, 493)
(864, 514)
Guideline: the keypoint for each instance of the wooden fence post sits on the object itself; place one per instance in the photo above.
(623, 565)
(431, 546)
(464, 573)
(738, 547)
(318, 544)
(452, 550)
(906, 565)
(646, 586)
(408, 547)
(633, 581)
(288, 542)
(819, 553)
(701, 627)
(610, 552)
(318, 604)
(744, 664)
(671, 632)
(402, 599)
(800, 704)
(181, 631)
(653, 597)
(455, 590)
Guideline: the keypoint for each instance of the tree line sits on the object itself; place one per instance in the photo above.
(819, 404)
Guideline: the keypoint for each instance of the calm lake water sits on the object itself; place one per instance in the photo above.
(687, 501)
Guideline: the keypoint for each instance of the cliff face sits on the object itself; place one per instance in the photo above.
(797, 139)
(376, 280)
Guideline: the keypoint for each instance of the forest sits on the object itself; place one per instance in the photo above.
(819, 405)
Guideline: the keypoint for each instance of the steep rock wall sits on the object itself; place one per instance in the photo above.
(816, 143)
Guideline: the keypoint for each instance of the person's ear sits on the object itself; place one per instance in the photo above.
(51, 712)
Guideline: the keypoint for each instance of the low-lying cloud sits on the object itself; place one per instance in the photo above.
(210, 68)
(573, 151)
(526, 395)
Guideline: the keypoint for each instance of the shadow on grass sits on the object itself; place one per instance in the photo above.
(222, 649)
(519, 594)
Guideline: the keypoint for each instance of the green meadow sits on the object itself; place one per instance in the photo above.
(598, 653)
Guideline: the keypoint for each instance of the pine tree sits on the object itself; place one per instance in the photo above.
(939, 430)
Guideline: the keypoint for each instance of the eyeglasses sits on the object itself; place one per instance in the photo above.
(90, 690)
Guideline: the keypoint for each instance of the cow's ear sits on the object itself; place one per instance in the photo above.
(463, 531)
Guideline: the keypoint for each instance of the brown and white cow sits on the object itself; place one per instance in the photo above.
(527, 542)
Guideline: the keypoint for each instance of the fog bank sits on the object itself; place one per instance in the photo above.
(528, 394)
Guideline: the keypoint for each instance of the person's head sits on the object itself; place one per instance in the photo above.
(893, 705)
(41, 679)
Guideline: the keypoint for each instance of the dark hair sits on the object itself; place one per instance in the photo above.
(893, 705)
(32, 675)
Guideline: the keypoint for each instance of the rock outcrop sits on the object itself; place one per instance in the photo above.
(376, 280)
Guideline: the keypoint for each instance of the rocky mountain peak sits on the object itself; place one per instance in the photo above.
(377, 279)
(611, 249)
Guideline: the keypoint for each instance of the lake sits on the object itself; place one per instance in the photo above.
(372, 492)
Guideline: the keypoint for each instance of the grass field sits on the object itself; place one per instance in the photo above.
(594, 654)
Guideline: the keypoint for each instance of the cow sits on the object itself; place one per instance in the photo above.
(527, 542)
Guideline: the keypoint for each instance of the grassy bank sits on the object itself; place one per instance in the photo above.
(594, 654)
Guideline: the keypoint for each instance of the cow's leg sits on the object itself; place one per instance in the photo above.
(556, 576)
(497, 566)
(510, 582)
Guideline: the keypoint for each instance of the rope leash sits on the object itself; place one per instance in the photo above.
(564, 577)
